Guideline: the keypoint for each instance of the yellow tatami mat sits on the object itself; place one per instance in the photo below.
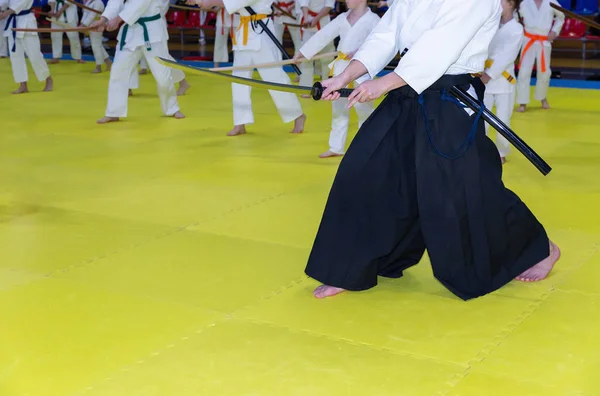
(159, 257)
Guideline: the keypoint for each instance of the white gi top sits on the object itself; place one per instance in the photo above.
(70, 15)
(89, 17)
(130, 12)
(539, 21)
(351, 38)
(442, 37)
(24, 21)
(314, 7)
(245, 37)
(503, 51)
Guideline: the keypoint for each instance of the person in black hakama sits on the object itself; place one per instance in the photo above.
(421, 174)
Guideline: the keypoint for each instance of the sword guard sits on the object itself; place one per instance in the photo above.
(317, 91)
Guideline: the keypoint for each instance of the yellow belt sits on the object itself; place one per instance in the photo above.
(341, 56)
(244, 22)
(511, 79)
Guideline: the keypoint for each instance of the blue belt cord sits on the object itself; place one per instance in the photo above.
(12, 19)
(470, 137)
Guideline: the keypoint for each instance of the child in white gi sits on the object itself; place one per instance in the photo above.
(144, 34)
(538, 18)
(100, 54)
(279, 19)
(252, 46)
(19, 15)
(315, 16)
(499, 74)
(66, 14)
(353, 27)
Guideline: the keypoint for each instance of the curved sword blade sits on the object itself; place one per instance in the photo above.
(235, 79)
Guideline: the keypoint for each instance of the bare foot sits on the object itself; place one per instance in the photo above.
(80, 61)
(304, 96)
(329, 153)
(143, 71)
(53, 61)
(183, 86)
(98, 69)
(179, 115)
(49, 85)
(297, 79)
(105, 120)
(108, 63)
(543, 268)
(237, 130)
(22, 89)
(521, 108)
(327, 291)
(299, 124)
(545, 104)
(503, 160)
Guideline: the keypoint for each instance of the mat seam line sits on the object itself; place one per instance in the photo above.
(489, 348)
(157, 237)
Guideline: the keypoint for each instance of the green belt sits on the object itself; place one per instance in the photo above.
(59, 4)
(142, 23)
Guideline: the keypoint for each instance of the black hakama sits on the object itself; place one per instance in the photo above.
(421, 174)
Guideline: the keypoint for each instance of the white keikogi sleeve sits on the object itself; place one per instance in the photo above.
(455, 25)
(380, 46)
(316, 43)
(112, 9)
(134, 10)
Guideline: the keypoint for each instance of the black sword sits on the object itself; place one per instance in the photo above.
(274, 39)
(487, 115)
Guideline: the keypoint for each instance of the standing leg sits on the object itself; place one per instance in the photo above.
(100, 54)
(340, 117)
(75, 44)
(164, 79)
(543, 78)
(242, 101)
(287, 103)
(178, 78)
(3, 40)
(220, 52)
(504, 109)
(296, 38)
(19, 67)
(143, 66)
(488, 101)
(307, 68)
(524, 78)
(31, 45)
(278, 29)
(57, 44)
(120, 76)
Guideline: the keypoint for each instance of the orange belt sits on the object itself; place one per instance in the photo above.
(532, 39)
(244, 22)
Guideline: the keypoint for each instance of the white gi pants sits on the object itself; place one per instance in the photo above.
(30, 45)
(279, 28)
(287, 103)
(505, 103)
(543, 79)
(221, 52)
(340, 119)
(57, 43)
(3, 40)
(100, 54)
(134, 78)
(308, 69)
(125, 61)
